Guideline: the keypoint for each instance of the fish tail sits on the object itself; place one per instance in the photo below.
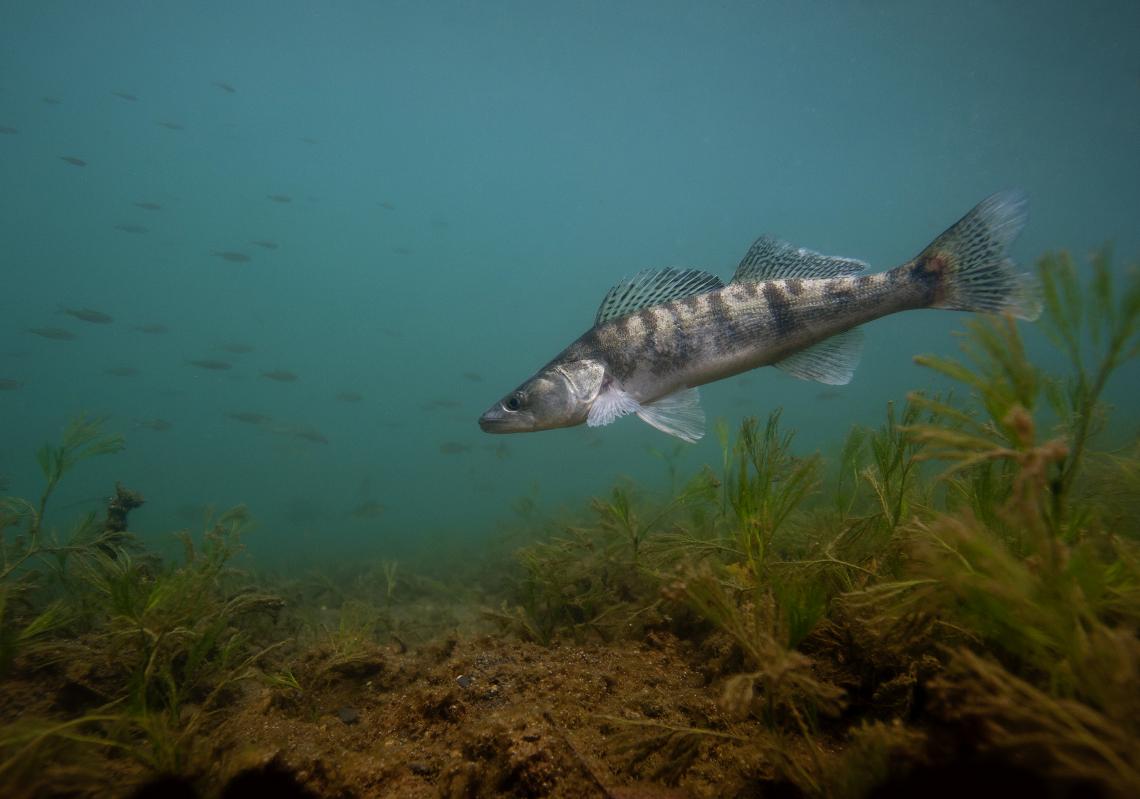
(967, 269)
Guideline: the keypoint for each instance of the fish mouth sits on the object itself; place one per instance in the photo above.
(497, 420)
(493, 422)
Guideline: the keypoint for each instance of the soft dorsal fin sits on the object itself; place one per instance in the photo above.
(653, 287)
(772, 259)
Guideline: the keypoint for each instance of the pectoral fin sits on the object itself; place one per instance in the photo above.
(611, 404)
(679, 414)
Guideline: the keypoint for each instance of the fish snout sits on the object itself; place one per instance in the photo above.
(492, 420)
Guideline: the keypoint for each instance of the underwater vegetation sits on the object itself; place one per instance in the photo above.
(951, 595)
(962, 579)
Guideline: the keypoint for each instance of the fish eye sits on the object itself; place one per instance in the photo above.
(513, 402)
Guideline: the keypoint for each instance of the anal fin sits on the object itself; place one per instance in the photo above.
(831, 361)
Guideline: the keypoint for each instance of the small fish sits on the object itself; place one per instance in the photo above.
(309, 434)
(55, 333)
(236, 348)
(121, 371)
(387, 206)
(830, 394)
(659, 335)
(71, 159)
(501, 450)
(309, 140)
(453, 448)
(126, 96)
(8, 130)
(280, 375)
(7, 384)
(172, 125)
(90, 315)
(224, 86)
(280, 198)
(440, 404)
(212, 365)
(402, 250)
(128, 227)
(51, 100)
(152, 329)
(249, 417)
(157, 425)
(367, 510)
(269, 245)
(474, 377)
(349, 396)
(231, 256)
(148, 206)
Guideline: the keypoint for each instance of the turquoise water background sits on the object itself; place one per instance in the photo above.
(464, 183)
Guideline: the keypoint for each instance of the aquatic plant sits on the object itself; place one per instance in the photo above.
(83, 438)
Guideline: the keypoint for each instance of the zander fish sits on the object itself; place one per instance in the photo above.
(663, 332)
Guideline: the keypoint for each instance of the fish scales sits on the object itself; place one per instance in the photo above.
(662, 333)
(740, 327)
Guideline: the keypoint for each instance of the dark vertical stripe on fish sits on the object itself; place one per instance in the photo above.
(783, 319)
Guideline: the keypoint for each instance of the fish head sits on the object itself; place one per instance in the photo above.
(559, 395)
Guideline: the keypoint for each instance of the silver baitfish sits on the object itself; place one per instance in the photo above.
(663, 332)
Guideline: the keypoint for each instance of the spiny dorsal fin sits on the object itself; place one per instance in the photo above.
(831, 361)
(772, 259)
(653, 287)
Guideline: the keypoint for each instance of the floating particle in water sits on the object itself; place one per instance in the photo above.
(172, 125)
(454, 448)
(8, 384)
(309, 140)
(221, 84)
(249, 417)
(211, 365)
(121, 371)
(157, 425)
(151, 329)
(367, 510)
(51, 100)
(280, 375)
(830, 394)
(280, 198)
(474, 377)
(148, 206)
(54, 333)
(90, 315)
(232, 256)
(349, 396)
(126, 96)
(8, 130)
(440, 404)
(71, 159)
(129, 227)
(269, 245)
(236, 347)
(402, 250)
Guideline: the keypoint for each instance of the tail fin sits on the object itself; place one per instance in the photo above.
(967, 267)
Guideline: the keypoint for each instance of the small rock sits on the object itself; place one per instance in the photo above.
(464, 681)
(347, 715)
(420, 769)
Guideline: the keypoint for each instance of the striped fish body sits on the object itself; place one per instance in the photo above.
(662, 333)
(707, 337)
